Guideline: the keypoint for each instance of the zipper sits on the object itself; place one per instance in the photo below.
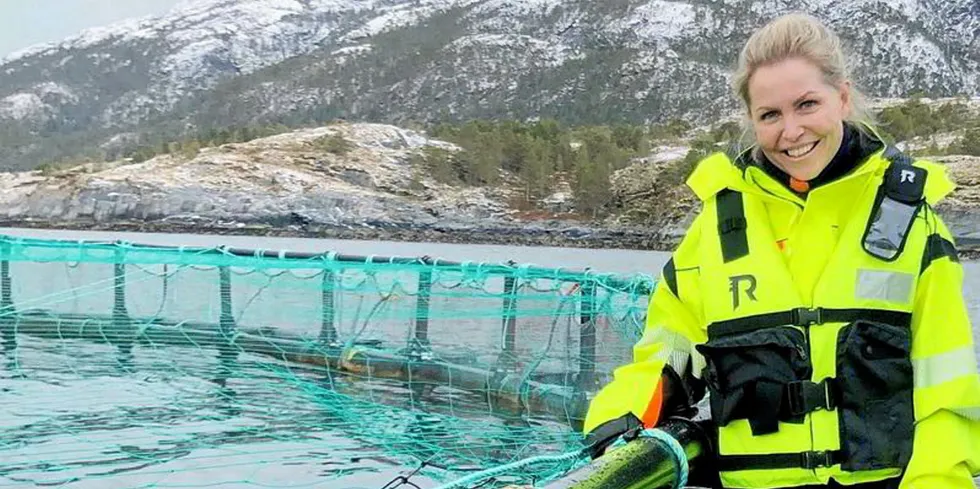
(806, 342)
(804, 349)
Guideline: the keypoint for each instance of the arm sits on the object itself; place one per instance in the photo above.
(659, 379)
(946, 449)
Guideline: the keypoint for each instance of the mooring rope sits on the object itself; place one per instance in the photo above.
(580, 455)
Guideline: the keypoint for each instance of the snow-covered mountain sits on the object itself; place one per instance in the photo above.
(213, 63)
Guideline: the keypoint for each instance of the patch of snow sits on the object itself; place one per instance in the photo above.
(922, 52)
(908, 8)
(29, 51)
(399, 16)
(343, 54)
(380, 136)
(519, 6)
(402, 15)
(662, 154)
(554, 53)
(51, 88)
(360, 48)
(126, 30)
(28, 104)
(488, 40)
(193, 57)
(194, 20)
(21, 105)
(658, 20)
(250, 18)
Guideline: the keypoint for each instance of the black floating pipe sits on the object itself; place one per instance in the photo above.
(507, 391)
(328, 330)
(511, 392)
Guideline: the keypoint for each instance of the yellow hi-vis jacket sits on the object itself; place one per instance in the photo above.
(823, 360)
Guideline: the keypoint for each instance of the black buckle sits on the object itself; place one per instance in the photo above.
(813, 460)
(805, 317)
(731, 224)
(795, 401)
(803, 396)
(832, 393)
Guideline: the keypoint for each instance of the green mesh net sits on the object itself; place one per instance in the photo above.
(131, 366)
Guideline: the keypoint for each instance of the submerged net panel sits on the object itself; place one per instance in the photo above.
(135, 366)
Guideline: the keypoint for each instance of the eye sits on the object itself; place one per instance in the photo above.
(808, 104)
(768, 115)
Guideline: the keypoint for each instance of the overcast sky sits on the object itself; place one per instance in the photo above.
(24, 23)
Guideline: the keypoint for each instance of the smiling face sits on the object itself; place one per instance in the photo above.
(798, 118)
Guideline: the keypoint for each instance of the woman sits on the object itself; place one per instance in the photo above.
(817, 296)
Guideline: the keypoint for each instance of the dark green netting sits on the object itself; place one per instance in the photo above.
(132, 366)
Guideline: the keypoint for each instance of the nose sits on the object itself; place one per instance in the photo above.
(792, 129)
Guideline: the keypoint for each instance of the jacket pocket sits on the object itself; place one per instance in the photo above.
(747, 375)
(874, 375)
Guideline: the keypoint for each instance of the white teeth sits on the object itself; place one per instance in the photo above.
(800, 151)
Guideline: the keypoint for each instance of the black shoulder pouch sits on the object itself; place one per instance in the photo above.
(898, 202)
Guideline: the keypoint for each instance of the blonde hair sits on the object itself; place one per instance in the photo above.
(795, 36)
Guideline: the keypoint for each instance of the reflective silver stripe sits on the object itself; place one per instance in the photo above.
(943, 367)
(881, 285)
(675, 349)
(973, 414)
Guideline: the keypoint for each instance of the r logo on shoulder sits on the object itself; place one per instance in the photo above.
(905, 183)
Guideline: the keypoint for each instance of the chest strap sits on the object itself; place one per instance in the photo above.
(805, 460)
(804, 317)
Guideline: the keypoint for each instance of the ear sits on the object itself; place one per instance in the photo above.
(845, 98)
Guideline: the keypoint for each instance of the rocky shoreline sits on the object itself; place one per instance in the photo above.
(531, 235)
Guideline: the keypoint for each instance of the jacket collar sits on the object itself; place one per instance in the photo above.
(719, 171)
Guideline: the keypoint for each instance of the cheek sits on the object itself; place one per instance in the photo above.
(830, 126)
(766, 134)
(829, 121)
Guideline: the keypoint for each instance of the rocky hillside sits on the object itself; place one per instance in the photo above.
(343, 180)
(219, 63)
(371, 181)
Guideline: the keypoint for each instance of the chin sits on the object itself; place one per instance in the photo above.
(802, 171)
(805, 175)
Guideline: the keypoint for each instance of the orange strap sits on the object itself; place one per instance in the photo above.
(652, 413)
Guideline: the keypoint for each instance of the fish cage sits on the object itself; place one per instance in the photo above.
(128, 366)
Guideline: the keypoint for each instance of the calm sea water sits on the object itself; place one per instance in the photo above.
(221, 432)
